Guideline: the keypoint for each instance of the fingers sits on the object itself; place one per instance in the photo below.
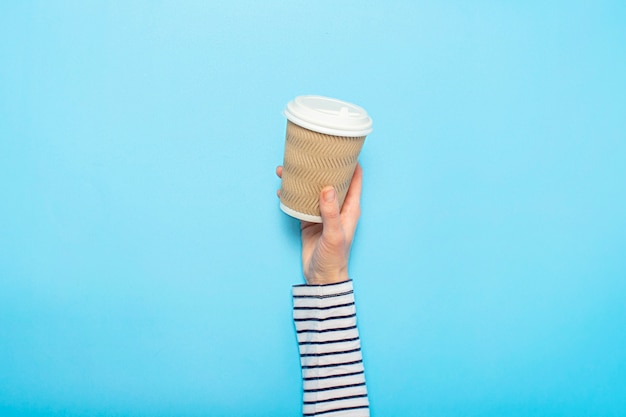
(332, 231)
(351, 210)
(279, 173)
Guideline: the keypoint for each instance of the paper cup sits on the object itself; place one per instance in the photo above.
(322, 146)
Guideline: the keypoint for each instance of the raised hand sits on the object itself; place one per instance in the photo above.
(326, 246)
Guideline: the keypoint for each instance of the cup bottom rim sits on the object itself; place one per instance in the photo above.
(302, 216)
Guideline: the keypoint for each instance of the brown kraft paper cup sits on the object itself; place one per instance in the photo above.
(311, 162)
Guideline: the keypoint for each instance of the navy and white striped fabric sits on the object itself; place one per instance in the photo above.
(330, 351)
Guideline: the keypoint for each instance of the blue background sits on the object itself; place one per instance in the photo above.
(145, 267)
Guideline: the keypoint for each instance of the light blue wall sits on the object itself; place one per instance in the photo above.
(145, 267)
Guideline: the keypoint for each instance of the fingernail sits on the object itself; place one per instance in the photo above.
(329, 196)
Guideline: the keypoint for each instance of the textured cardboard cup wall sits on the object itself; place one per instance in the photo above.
(312, 161)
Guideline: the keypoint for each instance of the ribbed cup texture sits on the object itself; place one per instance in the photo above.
(312, 161)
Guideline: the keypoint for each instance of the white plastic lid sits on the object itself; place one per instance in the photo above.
(329, 116)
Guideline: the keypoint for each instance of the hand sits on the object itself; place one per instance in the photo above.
(326, 246)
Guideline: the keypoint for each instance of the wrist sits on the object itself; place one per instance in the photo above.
(328, 278)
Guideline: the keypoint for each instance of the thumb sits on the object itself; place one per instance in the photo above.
(331, 220)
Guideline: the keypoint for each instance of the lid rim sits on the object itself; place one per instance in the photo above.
(329, 115)
(328, 130)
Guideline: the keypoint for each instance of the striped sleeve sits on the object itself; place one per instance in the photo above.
(330, 351)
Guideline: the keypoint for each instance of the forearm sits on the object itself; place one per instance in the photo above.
(330, 351)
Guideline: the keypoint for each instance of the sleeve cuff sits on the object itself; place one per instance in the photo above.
(323, 291)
